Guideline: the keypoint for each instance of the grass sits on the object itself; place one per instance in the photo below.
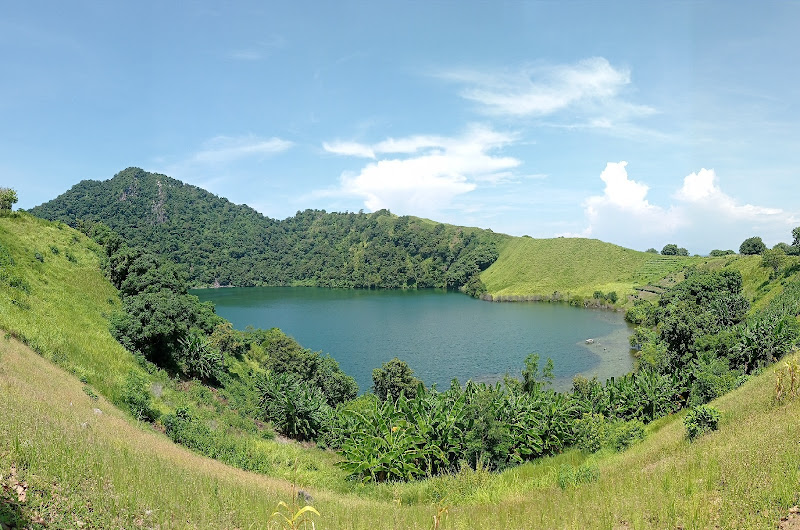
(574, 267)
(104, 470)
(100, 470)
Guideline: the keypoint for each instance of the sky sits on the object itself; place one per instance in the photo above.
(637, 123)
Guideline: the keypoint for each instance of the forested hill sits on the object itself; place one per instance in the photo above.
(221, 243)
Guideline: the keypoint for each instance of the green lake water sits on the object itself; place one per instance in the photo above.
(442, 335)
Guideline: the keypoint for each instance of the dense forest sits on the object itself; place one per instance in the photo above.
(218, 243)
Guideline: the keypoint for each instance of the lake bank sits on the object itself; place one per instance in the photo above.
(442, 335)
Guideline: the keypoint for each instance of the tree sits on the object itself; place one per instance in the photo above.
(773, 259)
(8, 197)
(670, 249)
(651, 250)
(716, 253)
(683, 252)
(752, 246)
(796, 237)
(392, 379)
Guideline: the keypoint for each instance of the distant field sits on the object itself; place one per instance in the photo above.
(575, 267)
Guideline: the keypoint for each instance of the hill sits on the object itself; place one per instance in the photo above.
(574, 268)
(70, 458)
(219, 243)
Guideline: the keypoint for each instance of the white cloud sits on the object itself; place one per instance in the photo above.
(349, 149)
(701, 190)
(703, 216)
(223, 149)
(624, 202)
(592, 84)
(423, 174)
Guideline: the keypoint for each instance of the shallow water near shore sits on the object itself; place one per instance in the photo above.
(442, 335)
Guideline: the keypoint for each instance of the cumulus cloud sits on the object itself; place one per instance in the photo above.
(222, 149)
(701, 189)
(624, 203)
(592, 85)
(701, 215)
(422, 174)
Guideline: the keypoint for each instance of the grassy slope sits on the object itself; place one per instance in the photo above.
(106, 471)
(574, 267)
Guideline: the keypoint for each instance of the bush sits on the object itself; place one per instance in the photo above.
(199, 359)
(700, 420)
(136, 397)
(297, 409)
(624, 434)
(712, 378)
(590, 432)
(752, 245)
(394, 378)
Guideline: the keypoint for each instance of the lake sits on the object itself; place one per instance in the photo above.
(441, 335)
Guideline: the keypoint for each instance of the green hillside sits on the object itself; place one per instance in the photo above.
(574, 267)
(218, 243)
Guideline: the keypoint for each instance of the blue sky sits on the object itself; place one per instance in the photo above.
(638, 123)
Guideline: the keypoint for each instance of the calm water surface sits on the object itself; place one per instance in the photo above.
(441, 335)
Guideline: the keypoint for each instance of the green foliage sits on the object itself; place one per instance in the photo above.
(773, 259)
(620, 435)
(700, 420)
(475, 287)
(670, 249)
(283, 355)
(136, 397)
(716, 253)
(651, 250)
(296, 408)
(228, 244)
(712, 377)
(533, 380)
(8, 197)
(571, 476)
(198, 357)
(590, 432)
(484, 427)
(155, 323)
(394, 378)
(752, 245)
(643, 313)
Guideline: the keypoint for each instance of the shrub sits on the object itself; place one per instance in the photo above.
(590, 432)
(624, 434)
(700, 420)
(297, 409)
(136, 397)
(394, 378)
(198, 358)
